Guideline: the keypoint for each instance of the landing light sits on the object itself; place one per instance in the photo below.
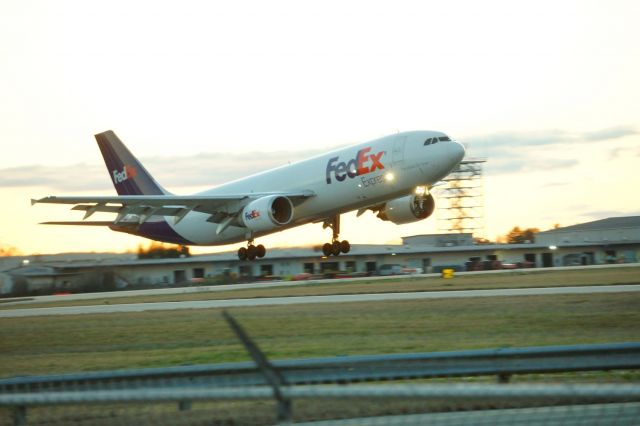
(421, 190)
(553, 247)
(389, 177)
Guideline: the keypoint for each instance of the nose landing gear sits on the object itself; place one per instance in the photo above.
(335, 247)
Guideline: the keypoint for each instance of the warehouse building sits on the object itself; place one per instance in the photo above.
(612, 240)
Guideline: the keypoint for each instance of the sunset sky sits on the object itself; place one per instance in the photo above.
(204, 92)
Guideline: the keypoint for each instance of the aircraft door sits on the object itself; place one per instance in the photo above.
(398, 150)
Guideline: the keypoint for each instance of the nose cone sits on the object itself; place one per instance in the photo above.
(457, 151)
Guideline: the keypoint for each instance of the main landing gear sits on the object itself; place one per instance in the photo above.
(335, 247)
(251, 252)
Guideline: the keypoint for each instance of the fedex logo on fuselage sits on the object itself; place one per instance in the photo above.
(363, 163)
(128, 172)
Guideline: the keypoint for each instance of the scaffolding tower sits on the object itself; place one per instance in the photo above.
(460, 202)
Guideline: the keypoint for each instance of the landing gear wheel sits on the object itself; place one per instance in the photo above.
(242, 253)
(252, 252)
(335, 248)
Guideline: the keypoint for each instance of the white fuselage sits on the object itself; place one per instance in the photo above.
(350, 178)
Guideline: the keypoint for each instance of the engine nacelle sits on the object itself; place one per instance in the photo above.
(411, 208)
(267, 213)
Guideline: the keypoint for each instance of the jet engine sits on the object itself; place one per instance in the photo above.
(410, 208)
(267, 213)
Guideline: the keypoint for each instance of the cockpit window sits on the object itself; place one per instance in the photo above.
(430, 141)
(444, 139)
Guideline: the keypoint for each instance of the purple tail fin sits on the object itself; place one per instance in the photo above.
(128, 175)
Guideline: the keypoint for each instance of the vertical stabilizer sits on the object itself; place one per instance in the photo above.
(127, 174)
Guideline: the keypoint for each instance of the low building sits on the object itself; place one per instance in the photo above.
(613, 240)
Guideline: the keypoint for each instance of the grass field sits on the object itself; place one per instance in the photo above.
(515, 279)
(44, 345)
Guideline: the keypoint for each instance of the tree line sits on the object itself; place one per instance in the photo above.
(156, 250)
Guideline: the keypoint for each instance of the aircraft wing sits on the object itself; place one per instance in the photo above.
(79, 223)
(220, 207)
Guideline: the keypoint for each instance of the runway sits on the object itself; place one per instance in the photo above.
(297, 300)
(271, 284)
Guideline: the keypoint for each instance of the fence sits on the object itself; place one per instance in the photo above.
(345, 390)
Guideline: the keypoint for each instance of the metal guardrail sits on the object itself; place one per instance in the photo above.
(284, 380)
(621, 414)
(458, 391)
(502, 362)
(542, 404)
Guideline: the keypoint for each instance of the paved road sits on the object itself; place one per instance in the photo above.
(262, 284)
(295, 300)
(205, 289)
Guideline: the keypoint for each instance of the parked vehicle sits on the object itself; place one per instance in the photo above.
(390, 269)
(492, 265)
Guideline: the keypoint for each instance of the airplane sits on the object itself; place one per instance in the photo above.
(391, 176)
